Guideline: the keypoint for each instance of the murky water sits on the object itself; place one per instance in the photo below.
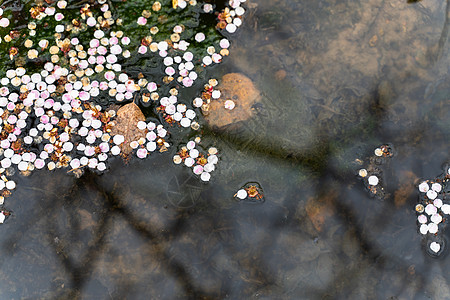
(337, 80)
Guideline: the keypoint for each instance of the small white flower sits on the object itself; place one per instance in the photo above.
(177, 159)
(208, 167)
(185, 122)
(193, 153)
(141, 125)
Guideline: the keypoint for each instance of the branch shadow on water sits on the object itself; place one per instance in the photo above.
(80, 265)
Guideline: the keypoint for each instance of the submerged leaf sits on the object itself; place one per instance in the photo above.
(239, 89)
(320, 209)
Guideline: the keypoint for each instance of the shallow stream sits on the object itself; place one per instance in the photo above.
(337, 79)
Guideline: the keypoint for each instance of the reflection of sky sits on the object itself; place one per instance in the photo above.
(342, 93)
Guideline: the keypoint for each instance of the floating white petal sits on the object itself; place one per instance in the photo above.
(431, 194)
(430, 209)
(424, 187)
(10, 185)
(241, 194)
(422, 219)
(435, 247)
(436, 187)
(423, 229)
(437, 202)
(373, 180)
(436, 218)
(432, 228)
(205, 176)
(445, 209)
(362, 172)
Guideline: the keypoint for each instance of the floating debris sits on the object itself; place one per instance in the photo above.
(384, 151)
(373, 180)
(135, 133)
(3, 215)
(372, 174)
(251, 192)
(241, 194)
(435, 247)
(363, 173)
(203, 163)
(433, 210)
(60, 109)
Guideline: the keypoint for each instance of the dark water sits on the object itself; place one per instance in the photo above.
(338, 79)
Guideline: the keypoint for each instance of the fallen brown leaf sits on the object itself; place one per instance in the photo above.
(126, 124)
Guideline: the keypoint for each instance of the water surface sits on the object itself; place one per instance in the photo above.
(337, 80)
